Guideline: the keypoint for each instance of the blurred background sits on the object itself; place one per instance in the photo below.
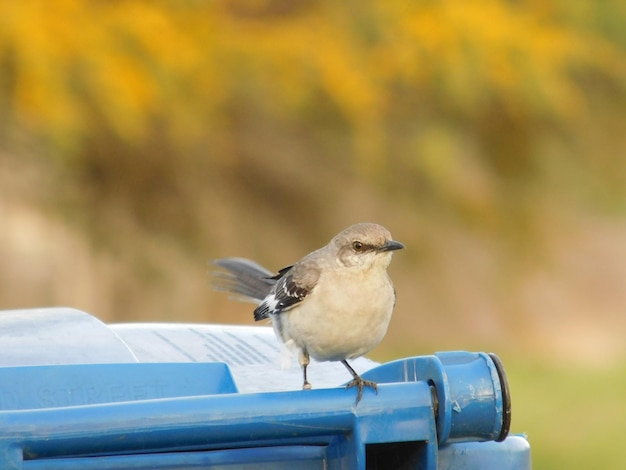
(141, 139)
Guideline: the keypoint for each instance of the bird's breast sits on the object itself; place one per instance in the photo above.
(344, 317)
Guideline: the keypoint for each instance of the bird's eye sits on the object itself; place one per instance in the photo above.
(357, 246)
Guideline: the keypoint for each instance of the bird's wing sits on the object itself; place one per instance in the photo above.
(293, 285)
(282, 272)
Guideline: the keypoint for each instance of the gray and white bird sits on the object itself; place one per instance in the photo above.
(334, 304)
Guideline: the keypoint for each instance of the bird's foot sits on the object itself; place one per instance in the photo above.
(306, 386)
(360, 384)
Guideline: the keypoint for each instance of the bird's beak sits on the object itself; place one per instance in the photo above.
(391, 245)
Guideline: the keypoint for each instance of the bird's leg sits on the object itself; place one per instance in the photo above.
(304, 362)
(358, 382)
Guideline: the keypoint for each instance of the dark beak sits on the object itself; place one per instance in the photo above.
(391, 245)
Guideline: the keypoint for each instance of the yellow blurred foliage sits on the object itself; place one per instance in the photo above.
(133, 61)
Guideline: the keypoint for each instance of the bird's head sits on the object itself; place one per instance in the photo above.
(365, 245)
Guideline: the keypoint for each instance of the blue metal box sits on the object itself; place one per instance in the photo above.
(78, 394)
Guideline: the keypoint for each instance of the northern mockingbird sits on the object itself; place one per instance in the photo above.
(333, 305)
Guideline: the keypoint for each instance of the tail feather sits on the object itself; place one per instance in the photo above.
(244, 277)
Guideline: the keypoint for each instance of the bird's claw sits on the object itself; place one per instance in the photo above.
(360, 384)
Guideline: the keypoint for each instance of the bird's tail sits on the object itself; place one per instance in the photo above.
(249, 280)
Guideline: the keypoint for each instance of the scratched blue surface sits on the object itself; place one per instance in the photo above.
(76, 393)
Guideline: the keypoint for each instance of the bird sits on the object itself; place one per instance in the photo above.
(334, 304)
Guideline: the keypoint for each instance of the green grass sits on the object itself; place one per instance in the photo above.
(575, 417)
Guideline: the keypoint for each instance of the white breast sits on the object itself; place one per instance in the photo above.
(344, 317)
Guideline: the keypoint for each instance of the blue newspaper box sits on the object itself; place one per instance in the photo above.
(76, 393)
